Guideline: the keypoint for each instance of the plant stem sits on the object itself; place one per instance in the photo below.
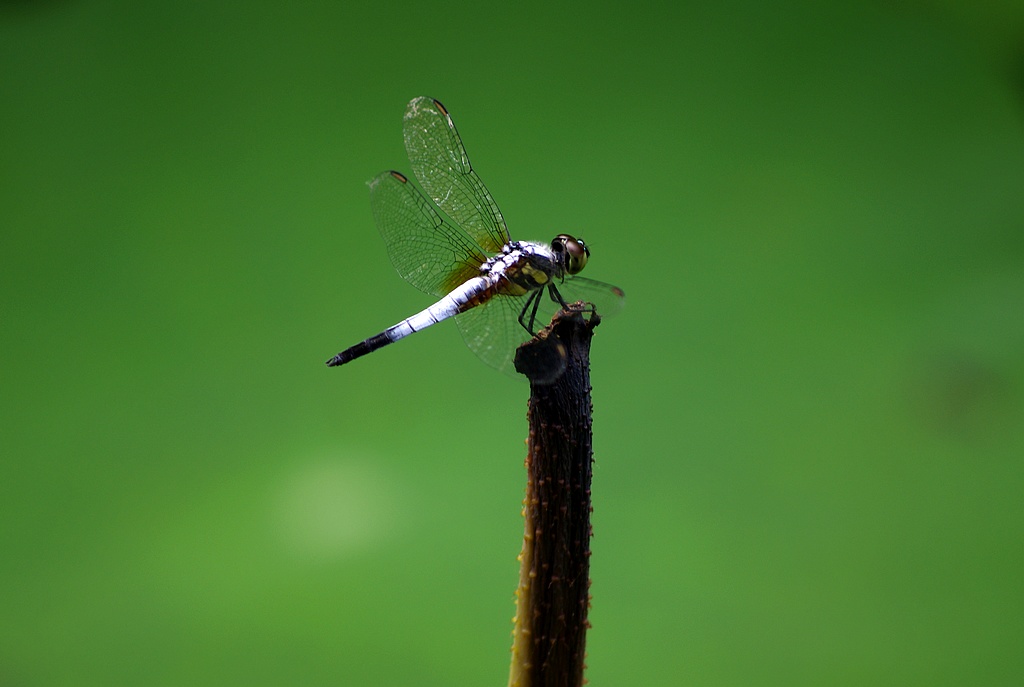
(554, 580)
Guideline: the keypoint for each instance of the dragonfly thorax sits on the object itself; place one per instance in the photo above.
(524, 266)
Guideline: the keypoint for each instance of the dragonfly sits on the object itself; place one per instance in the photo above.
(456, 247)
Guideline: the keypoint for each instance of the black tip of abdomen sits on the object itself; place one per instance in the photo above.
(360, 349)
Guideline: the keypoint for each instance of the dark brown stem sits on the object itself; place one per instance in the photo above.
(553, 596)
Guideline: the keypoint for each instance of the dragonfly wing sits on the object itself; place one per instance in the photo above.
(492, 331)
(429, 253)
(608, 300)
(441, 166)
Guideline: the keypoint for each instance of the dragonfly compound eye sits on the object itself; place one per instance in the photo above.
(573, 252)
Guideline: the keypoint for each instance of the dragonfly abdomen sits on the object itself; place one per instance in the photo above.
(471, 293)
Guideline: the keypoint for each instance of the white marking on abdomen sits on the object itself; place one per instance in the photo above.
(441, 310)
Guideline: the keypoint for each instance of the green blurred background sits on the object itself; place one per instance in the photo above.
(809, 421)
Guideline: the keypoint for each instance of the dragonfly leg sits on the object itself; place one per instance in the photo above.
(556, 296)
(531, 304)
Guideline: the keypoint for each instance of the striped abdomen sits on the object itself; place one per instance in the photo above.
(468, 295)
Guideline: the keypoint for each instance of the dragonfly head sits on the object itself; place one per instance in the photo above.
(571, 253)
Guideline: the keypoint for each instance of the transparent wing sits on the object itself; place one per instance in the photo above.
(492, 331)
(608, 300)
(441, 166)
(428, 252)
